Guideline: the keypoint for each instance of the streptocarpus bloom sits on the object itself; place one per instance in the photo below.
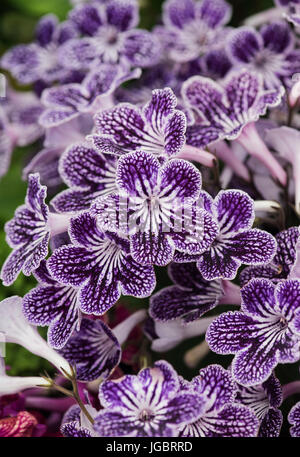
(236, 242)
(191, 296)
(158, 127)
(294, 420)
(76, 425)
(96, 349)
(220, 416)
(94, 93)
(158, 216)
(19, 126)
(264, 399)
(264, 333)
(149, 404)
(53, 304)
(270, 52)
(109, 35)
(100, 265)
(281, 264)
(28, 233)
(88, 173)
(191, 28)
(229, 111)
(17, 330)
(39, 61)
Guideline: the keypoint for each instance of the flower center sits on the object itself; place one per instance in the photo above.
(146, 415)
(283, 322)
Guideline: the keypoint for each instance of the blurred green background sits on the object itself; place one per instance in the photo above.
(17, 22)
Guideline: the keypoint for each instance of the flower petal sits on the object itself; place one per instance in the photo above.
(230, 332)
(94, 349)
(244, 44)
(151, 249)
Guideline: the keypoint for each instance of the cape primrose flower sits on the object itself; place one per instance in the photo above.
(229, 110)
(158, 217)
(158, 127)
(96, 349)
(68, 101)
(28, 233)
(220, 415)
(100, 265)
(264, 333)
(236, 242)
(191, 28)
(75, 423)
(54, 304)
(149, 404)
(189, 299)
(109, 35)
(88, 174)
(270, 52)
(264, 399)
(39, 61)
(282, 263)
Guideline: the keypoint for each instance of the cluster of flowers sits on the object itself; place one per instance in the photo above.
(137, 125)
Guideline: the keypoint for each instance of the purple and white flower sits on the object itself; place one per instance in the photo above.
(28, 233)
(282, 263)
(191, 296)
(53, 304)
(221, 416)
(149, 404)
(229, 111)
(100, 265)
(19, 126)
(191, 28)
(158, 208)
(236, 242)
(29, 63)
(265, 400)
(75, 423)
(88, 174)
(270, 52)
(158, 127)
(93, 94)
(109, 35)
(264, 333)
(95, 349)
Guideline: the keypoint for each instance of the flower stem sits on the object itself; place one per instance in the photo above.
(197, 155)
(78, 399)
(252, 142)
(193, 356)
